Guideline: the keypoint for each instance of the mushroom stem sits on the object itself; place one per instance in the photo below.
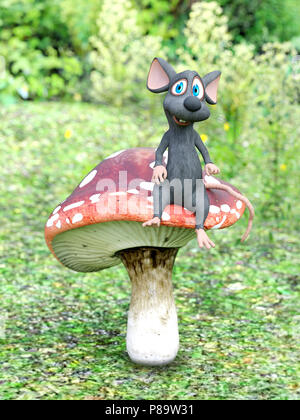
(152, 329)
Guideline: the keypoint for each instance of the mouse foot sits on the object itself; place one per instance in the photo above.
(203, 239)
(154, 221)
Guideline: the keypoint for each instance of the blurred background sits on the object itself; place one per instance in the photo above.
(100, 51)
(72, 91)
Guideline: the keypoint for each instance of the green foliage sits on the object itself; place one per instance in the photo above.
(164, 18)
(81, 21)
(277, 130)
(62, 334)
(121, 55)
(262, 21)
(35, 44)
(255, 21)
(46, 43)
(158, 17)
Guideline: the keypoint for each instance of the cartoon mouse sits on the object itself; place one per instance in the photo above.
(181, 182)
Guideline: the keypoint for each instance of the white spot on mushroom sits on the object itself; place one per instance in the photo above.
(77, 218)
(165, 216)
(225, 208)
(214, 209)
(233, 211)
(118, 193)
(147, 186)
(68, 220)
(211, 179)
(57, 209)
(218, 219)
(220, 224)
(152, 165)
(239, 204)
(115, 154)
(74, 205)
(150, 199)
(88, 178)
(58, 224)
(52, 220)
(134, 191)
(95, 198)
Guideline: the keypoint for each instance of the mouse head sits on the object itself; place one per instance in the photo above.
(185, 102)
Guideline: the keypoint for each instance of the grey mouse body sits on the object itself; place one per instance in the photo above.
(184, 105)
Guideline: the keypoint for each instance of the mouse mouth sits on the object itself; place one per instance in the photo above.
(180, 121)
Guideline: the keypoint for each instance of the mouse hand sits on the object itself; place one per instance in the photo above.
(159, 174)
(211, 169)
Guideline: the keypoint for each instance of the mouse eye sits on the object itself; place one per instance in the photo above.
(198, 89)
(179, 88)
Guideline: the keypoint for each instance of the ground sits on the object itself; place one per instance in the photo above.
(62, 334)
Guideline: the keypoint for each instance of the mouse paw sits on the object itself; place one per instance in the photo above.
(203, 239)
(154, 221)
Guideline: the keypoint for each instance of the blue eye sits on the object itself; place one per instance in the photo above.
(196, 90)
(180, 87)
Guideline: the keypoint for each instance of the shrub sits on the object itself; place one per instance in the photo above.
(122, 55)
(164, 18)
(35, 44)
(278, 131)
(262, 21)
(212, 49)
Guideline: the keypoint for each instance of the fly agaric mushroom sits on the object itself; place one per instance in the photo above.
(100, 225)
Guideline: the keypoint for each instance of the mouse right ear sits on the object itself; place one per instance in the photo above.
(160, 75)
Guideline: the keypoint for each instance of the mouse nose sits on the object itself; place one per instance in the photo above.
(192, 103)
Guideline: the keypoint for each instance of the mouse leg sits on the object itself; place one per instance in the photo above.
(161, 199)
(202, 209)
(200, 206)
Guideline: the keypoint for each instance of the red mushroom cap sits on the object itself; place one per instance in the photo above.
(119, 190)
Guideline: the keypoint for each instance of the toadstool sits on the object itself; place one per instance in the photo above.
(100, 225)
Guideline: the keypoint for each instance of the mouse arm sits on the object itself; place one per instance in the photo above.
(202, 149)
(161, 149)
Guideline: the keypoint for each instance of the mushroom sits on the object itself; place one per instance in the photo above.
(100, 225)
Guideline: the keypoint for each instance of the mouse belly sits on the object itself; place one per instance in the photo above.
(184, 170)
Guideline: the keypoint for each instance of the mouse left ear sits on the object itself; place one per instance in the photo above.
(160, 75)
(211, 83)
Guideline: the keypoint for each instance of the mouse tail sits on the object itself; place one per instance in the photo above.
(239, 196)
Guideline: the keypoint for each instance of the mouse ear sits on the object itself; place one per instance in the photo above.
(160, 75)
(211, 83)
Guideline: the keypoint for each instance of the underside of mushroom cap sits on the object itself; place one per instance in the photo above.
(104, 213)
(94, 247)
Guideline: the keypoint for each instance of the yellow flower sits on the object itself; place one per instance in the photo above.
(68, 134)
(77, 97)
(226, 126)
(204, 137)
(283, 167)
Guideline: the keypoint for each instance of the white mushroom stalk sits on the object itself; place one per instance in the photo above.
(152, 330)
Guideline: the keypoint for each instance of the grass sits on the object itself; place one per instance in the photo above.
(63, 333)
